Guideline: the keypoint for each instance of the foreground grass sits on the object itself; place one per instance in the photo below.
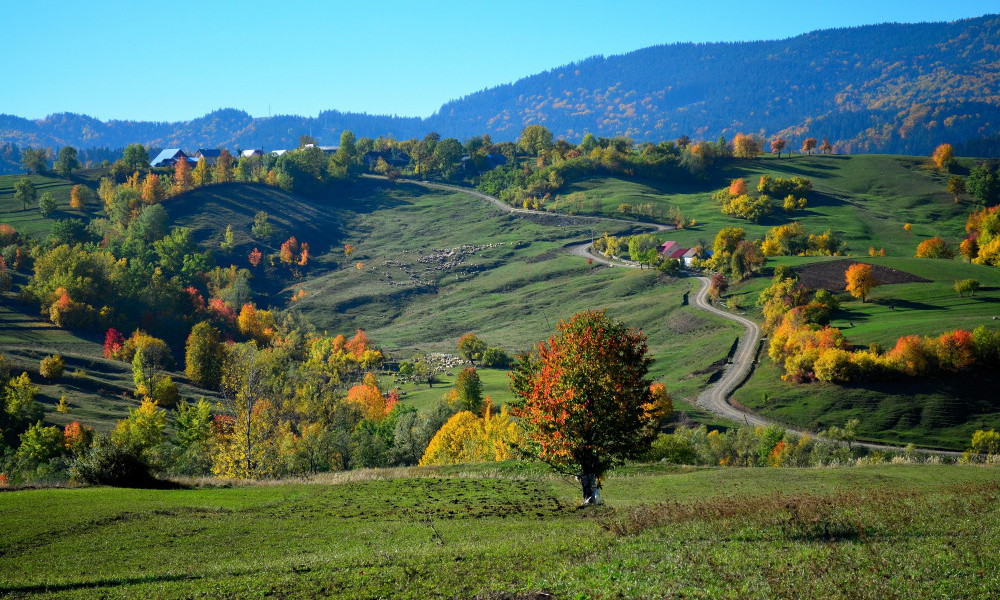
(461, 532)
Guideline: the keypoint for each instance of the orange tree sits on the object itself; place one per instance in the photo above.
(860, 281)
(584, 398)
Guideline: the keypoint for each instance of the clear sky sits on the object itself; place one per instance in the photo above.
(177, 60)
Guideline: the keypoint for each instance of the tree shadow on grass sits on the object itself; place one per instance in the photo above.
(100, 583)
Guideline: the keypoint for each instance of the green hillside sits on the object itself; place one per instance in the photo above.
(29, 221)
(864, 199)
(936, 411)
(510, 531)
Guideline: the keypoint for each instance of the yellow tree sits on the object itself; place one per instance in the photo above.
(202, 174)
(77, 199)
(224, 167)
(746, 146)
(248, 448)
(152, 191)
(466, 438)
(808, 145)
(860, 280)
(943, 155)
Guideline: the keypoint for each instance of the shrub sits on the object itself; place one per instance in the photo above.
(51, 367)
(113, 464)
(966, 286)
(496, 358)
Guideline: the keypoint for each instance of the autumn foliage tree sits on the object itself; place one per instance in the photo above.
(183, 180)
(778, 145)
(860, 280)
(808, 145)
(943, 156)
(583, 397)
(934, 247)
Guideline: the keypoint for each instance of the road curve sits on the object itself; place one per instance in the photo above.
(714, 398)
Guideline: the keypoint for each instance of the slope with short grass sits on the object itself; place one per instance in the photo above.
(28, 220)
(938, 411)
(864, 199)
(512, 531)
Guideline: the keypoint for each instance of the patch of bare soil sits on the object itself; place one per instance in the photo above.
(830, 275)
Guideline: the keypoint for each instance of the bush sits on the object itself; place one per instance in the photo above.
(107, 463)
(496, 358)
(52, 367)
(966, 286)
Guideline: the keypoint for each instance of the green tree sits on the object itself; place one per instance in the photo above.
(470, 347)
(261, 229)
(983, 185)
(469, 391)
(135, 158)
(40, 444)
(227, 239)
(204, 354)
(347, 152)
(67, 162)
(24, 192)
(20, 406)
(47, 204)
(448, 156)
(584, 397)
(34, 160)
(535, 139)
(642, 248)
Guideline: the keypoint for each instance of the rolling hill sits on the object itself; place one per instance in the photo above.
(896, 88)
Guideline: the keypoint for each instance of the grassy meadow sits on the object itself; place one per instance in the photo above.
(511, 530)
(29, 221)
(941, 412)
(864, 199)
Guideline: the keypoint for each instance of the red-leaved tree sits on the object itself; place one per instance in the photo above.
(584, 397)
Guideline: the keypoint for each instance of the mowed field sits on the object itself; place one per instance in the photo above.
(513, 531)
(864, 199)
(429, 266)
(28, 220)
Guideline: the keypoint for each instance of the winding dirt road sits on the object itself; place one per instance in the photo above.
(714, 398)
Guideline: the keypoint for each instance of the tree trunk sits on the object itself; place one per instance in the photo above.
(591, 488)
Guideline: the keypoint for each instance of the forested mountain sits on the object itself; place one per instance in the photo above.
(900, 88)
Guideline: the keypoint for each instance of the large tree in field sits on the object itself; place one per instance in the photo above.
(24, 192)
(584, 397)
(860, 280)
(67, 162)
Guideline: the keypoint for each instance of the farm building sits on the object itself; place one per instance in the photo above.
(211, 155)
(168, 157)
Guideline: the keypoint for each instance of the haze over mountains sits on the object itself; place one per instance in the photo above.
(895, 88)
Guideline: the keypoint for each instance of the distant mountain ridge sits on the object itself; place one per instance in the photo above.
(900, 88)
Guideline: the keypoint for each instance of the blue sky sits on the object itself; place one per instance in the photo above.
(181, 59)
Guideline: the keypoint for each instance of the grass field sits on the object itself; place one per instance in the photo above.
(29, 221)
(418, 289)
(865, 199)
(931, 411)
(511, 531)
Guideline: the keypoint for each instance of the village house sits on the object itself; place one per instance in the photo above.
(168, 158)
(209, 155)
